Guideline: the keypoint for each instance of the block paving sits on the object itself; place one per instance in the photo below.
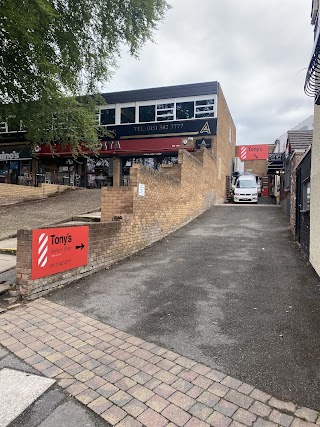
(132, 383)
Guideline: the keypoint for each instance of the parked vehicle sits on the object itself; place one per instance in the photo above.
(245, 189)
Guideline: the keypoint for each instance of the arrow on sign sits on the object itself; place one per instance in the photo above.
(80, 247)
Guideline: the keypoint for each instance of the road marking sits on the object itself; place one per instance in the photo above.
(18, 390)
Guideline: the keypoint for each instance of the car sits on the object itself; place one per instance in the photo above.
(245, 189)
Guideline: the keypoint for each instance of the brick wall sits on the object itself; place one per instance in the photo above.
(258, 167)
(102, 239)
(224, 148)
(130, 222)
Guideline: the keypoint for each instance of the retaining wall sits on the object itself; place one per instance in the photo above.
(155, 204)
(11, 193)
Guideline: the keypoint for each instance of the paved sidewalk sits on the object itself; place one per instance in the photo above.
(132, 383)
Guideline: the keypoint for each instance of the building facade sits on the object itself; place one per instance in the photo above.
(312, 88)
(300, 208)
(147, 126)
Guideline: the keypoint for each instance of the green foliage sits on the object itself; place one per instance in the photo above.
(68, 121)
(68, 46)
(57, 49)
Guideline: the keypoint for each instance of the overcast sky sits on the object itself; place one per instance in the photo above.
(257, 50)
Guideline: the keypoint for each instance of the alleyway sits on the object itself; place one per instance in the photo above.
(230, 290)
(216, 325)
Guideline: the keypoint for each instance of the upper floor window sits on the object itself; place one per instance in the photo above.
(128, 115)
(165, 111)
(204, 108)
(147, 113)
(108, 116)
(3, 127)
(185, 110)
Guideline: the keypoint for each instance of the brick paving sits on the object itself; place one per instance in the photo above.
(132, 383)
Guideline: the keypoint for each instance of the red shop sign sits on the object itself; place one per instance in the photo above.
(253, 152)
(58, 249)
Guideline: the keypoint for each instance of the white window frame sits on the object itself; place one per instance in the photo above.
(126, 105)
(166, 101)
(144, 104)
(157, 102)
(108, 107)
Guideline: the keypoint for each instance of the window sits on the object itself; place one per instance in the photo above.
(184, 110)
(3, 127)
(128, 115)
(230, 136)
(306, 195)
(246, 183)
(204, 108)
(147, 113)
(108, 116)
(165, 111)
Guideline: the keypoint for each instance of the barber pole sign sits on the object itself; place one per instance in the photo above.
(58, 249)
(253, 152)
(42, 250)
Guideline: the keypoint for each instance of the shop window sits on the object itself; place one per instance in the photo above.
(147, 113)
(108, 116)
(184, 110)
(306, 195)
(128, 114)
(204, 108)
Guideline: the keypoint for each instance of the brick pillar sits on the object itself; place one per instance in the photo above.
(116, 171)
(24, 259)
(134, 173)
(116, 201)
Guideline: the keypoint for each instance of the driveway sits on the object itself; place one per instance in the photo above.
(230, 290)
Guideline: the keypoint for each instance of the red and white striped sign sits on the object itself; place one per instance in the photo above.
(42, 250)
(253, 152)
(58, 249)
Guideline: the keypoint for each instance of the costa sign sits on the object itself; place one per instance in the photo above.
(253, 152)
(58, 249)
(125, 146)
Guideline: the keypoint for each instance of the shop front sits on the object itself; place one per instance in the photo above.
(96, 170)
(16, 165)
(89, 170)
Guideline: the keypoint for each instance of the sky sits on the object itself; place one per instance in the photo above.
(257, 50)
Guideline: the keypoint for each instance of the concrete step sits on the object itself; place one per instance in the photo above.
(89, 217)
(4, 287)
(8, 246)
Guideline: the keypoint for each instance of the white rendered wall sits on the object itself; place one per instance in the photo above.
(315, 194)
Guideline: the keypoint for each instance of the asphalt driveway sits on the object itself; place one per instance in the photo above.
(230, 290)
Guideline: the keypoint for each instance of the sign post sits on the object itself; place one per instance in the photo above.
(58, 249)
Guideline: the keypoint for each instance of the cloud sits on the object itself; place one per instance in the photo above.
(256, 50)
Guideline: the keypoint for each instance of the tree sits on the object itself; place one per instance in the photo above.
(55, 50)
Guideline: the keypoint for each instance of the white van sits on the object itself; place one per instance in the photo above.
(245, 189)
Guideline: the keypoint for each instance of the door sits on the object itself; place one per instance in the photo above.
(298, 204)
